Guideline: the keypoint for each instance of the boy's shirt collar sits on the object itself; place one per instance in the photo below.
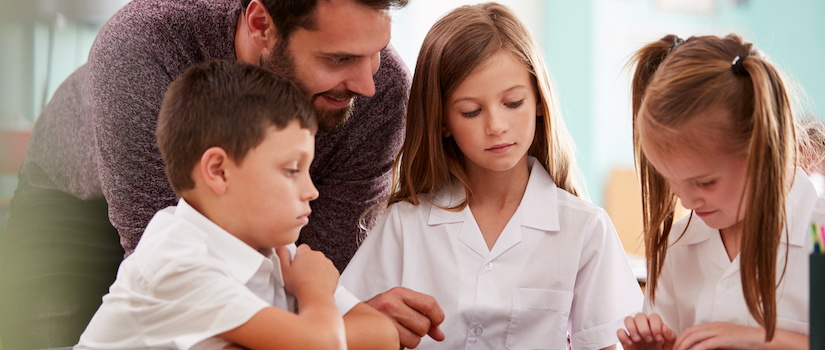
(241, 260)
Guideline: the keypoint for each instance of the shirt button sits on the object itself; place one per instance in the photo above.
(727, 283)
(489, 266)
(477, 331)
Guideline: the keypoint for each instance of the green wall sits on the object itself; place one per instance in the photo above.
(587, 43)
(567, 36)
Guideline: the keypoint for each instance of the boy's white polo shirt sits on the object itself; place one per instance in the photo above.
(699, 284)
(558, 265)
(188, 281)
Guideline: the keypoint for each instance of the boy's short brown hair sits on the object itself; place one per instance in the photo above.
(227, 104)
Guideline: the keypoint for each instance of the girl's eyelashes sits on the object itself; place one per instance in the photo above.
(471, 113)
(707, 184)
(514, 104)
(511, 105)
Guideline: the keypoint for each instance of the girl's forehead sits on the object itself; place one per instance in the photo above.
(685, 162)
(500, 71)
(709, 131)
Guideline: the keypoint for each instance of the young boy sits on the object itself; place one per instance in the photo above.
(221, 269)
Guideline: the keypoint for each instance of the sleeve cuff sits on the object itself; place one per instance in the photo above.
(344, 300)
(598, 337)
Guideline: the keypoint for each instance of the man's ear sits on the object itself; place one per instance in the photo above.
(213, 167)
(260, 25)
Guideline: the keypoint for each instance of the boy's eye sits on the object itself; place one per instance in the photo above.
(514, 104)
(471, 113)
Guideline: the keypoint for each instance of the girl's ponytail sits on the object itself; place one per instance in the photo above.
(658, 202)
(770, 155)
(647, 61)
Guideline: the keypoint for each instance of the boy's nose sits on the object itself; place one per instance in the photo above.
(310, 191)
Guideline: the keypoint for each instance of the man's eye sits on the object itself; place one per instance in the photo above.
(338, 60)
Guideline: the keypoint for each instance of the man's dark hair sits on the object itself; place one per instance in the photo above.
(227, 104)
(289, 15)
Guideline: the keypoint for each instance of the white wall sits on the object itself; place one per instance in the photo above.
(411, 23)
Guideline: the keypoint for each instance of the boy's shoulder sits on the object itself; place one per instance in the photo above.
(168, 239)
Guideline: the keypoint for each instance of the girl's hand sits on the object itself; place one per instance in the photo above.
(309, 272)
(646, 333)
(720, 335)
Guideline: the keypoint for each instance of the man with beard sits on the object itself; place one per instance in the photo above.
(93, 159)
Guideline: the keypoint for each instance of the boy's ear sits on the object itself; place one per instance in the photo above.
(260, 25)
(212, 168)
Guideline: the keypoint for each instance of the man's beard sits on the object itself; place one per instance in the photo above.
(282, 63)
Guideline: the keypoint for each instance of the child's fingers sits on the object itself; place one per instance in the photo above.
(302, 247)
(283, 256)
(643, 327)
(656, 324)
(624, 338)
(669, 334)
(630, 324)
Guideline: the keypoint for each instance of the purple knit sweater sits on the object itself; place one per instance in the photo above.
(97, 135)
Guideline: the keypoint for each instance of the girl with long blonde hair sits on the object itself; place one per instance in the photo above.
(713, 126)
(486, 214)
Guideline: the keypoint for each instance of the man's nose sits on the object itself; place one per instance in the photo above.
(360, 80)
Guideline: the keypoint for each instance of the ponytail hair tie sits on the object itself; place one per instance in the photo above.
(675, 43)
(737, 68)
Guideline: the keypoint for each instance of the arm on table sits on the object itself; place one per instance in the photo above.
(312, 278)
(723, 335)
(368, 329)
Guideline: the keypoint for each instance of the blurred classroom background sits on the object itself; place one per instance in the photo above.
(586, 43)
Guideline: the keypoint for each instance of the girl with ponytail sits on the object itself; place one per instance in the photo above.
(713, 126)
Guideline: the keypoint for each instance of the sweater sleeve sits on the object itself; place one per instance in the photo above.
(358, 175)
(128, 82)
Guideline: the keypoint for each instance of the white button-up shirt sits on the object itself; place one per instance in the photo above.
(699, 284)
(188, 281)
(557, 267)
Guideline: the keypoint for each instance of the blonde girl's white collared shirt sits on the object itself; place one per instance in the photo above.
(557, 267)
(188, 281)
(699, 284)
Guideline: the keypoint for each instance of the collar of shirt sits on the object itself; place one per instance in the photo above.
(539, 208)
(242, 261)
(799, 206)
